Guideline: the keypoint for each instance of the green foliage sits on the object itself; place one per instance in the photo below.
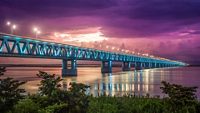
(26, 106)
(10, 92)
(178, 94)
(75, 100)
(49, 83)
(128, 104)
(56, 108)
(181, 99)
(152, 106)
(125, 104)
(42, 101)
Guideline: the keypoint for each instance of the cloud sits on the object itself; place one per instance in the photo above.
(164, 9)
(159, 20)
(118, 18)
(55, 9)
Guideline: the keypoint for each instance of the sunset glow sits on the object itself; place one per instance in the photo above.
(89, 37)
(127, 25)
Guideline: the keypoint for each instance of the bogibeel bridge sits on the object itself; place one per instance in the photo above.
(17, 46)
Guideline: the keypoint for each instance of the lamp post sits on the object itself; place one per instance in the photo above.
(36, 31)
(8, 23)
(12, 27)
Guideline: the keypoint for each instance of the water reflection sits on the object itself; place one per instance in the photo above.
(118, 84)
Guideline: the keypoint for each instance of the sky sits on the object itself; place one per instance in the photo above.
(166, 28)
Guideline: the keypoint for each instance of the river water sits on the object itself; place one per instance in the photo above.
(139, 82)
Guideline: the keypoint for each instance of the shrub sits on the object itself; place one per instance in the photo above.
(26, 106)
(75, 99)
(56, 108)
(49, 83)
(178, 94)
(181, 99)
(10, 92)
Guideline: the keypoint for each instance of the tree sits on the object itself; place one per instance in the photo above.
(49, 84)
(26, 106)
(78, 101)
(178, 94)
(73, 100)
(10, 92)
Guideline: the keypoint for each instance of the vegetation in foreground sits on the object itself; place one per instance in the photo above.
(51, 99)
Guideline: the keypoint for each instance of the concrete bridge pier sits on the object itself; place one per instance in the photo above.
(134, 65)
(153, 65)
(71, 70)
(150, 65)
(126, 66)
(139, 66)
(106, 67)
(147, 65)
(162, 65)
(158, 65)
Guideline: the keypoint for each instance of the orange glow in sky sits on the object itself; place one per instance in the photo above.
(83, 35)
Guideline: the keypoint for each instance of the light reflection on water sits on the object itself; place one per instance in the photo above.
(118, 83)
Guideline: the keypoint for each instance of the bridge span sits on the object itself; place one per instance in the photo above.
(18, 46)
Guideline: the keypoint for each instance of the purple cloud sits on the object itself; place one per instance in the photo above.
(174, 20)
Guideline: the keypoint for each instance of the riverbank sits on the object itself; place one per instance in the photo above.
(128, 104)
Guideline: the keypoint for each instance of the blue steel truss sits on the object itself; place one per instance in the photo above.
(17, 46)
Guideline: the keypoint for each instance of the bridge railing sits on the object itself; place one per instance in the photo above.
(17, 46)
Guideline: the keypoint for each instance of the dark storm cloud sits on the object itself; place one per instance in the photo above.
(163, 9)
(117, 18)
(128, 18)
(154, 17)
(54, 8)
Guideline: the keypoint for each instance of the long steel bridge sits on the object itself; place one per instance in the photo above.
(24, 47)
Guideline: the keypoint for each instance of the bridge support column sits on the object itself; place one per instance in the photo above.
(106, 67)
(153, 65)
(136, 65)
(139, 65)
(158, 65)
(126, 66)
(150, 65)
(147, 65)
(69, 71)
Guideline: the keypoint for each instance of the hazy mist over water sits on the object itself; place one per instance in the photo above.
(118, 83)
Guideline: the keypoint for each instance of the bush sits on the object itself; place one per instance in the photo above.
(49, 83)
(152, 106)
(26, 106)
(181, 99)
(178, 94)
(56, 108)
(75, 100)
(10, 93)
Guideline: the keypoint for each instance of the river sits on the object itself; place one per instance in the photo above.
(118, 83)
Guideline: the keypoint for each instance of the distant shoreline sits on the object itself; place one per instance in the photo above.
(60, 65)
(52, 65)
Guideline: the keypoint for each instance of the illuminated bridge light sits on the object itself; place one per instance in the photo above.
(42, 49)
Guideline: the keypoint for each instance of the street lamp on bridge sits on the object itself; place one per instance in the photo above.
(36, 31)
(12, 27)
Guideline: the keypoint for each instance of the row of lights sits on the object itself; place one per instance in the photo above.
(13, 27)
(37, 32)
(128, 51)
